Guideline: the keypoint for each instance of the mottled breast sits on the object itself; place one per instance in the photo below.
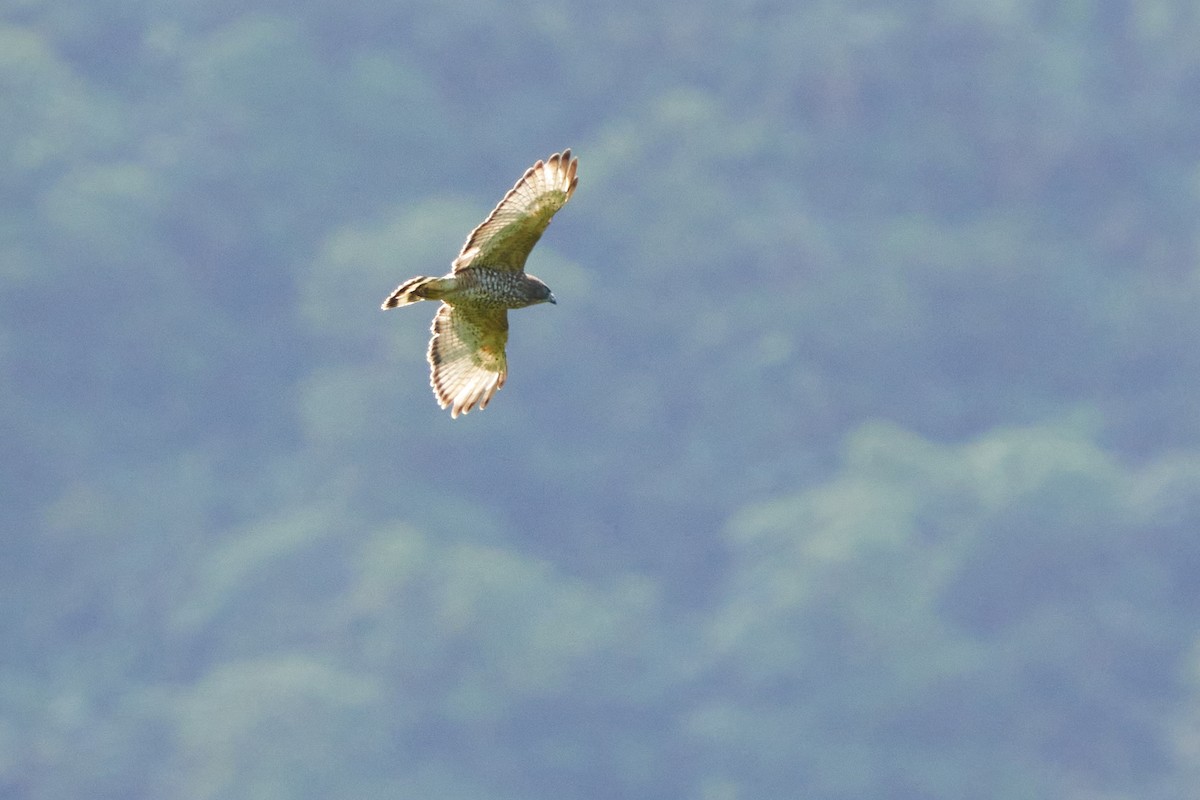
(490, 288)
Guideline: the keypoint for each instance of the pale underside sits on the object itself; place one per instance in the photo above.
(466, 354)
(504, 239)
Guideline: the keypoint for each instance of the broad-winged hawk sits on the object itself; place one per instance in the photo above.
(470, 330)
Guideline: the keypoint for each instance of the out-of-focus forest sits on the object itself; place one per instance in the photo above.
(860, 457)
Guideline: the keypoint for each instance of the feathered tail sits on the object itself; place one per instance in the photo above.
(418, 289)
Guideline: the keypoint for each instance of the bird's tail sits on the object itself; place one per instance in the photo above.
(415, 290)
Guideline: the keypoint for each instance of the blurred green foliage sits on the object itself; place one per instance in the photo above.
(859, 459)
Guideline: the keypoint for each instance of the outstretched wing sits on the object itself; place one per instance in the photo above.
(466, 356)
(504, 239)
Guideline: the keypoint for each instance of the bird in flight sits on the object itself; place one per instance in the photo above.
(466, 354)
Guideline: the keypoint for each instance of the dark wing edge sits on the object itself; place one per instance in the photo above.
(505, 238)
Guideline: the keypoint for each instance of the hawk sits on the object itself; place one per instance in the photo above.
(466, 353)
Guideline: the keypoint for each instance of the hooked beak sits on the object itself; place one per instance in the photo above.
(551, 299)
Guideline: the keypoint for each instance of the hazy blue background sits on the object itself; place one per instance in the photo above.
(859, 460)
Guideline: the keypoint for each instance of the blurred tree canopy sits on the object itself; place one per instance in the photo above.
(859, 459)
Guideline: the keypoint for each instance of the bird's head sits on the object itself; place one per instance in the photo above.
(538, 292)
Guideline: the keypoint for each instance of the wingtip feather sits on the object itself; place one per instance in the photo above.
(566, 168)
